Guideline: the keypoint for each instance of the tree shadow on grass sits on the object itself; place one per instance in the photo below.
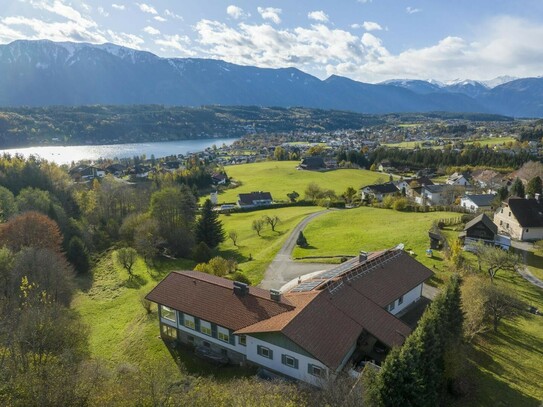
(85, 281)
(233, 254)
(135, 281)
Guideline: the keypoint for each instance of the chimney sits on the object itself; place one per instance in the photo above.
(240, 289)
(275, 295)
(363, 256)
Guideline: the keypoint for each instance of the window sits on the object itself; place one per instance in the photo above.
(289, 361)
(264, 352)
(509, 213)
(392, 306)
(169, 331)
(167, 313)
(501, 222)
(242, 340)
(223, 334)
(205, 327)
(188, 321)
(400, 300)
(315, 370)
(527, 230)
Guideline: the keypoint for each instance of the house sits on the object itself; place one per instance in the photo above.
(482, 229)
(489, 180)
(309, 333)
(521, 218)
(312, 163)
(432, 195)
(386, 166)
(219, 179)
(378, 191)
(253, 199)
(458, 179)
(87, 172)
(171, 166)
(408, 184)
(116, 169)
(479, 202)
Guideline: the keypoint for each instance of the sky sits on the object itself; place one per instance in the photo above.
(365, 40)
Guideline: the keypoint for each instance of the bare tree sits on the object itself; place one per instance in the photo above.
(272, 221)
(494, 259)
(127, 257)
(258, 225)
(233, 235)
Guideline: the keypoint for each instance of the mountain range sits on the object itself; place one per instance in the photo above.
(46, 73)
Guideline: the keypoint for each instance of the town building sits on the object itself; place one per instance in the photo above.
(378, 191)
(477, 202)
(309, 333)
(458, 179)
(252, 199)
(521, 218)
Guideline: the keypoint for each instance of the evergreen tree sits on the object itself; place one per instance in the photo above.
(535, 186)
(209, 228)
(301, 241)
(78, 255)
(517, 189)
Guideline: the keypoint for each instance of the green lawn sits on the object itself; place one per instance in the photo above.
(491, 141)
(282, 177)
(347, 232)
(264, 248)
(506, 368)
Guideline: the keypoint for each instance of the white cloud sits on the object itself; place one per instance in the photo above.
(103, 12)
(151, 30)
(59, 8)
(172, 15)
(371, 26)
(118, 6)
(318, 15)
(159, 18)
(176, 42)
(364, 1)
(270, 13)
(412, 10)
(147, 8)
(236, 12)
(125, 39)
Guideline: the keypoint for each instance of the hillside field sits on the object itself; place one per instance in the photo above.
(282, 177)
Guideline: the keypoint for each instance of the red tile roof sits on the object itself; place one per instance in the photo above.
(212, 299)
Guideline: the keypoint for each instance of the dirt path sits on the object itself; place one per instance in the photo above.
(283, 269)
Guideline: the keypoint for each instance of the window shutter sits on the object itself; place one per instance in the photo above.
(231, 338)
(296, 363)
(214, 333)
(309, 368)
(180, 318)
(196, 324)
(259, 349)
(271, 353)
(284, 359)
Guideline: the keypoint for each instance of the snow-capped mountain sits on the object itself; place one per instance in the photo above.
(39, 73)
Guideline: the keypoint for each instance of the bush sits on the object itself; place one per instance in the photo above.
(242, 278)
(400, 204)
(301, 241)
(202, 253)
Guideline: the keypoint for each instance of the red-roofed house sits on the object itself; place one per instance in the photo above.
(310, 332)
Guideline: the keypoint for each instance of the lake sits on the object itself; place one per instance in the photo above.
(68, 154)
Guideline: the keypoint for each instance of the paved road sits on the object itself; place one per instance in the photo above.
(283, 269)
(525, 273)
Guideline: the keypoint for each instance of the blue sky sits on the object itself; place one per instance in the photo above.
(366, 40)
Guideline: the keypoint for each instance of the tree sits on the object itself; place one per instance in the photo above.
(202, 253)
(293, 196)
(30, 229)
(301, 240)
(280, 154)
(535, 186)
(313, 191)
(258, 225)
(127, 257)
(175, 211)
(78, 255)
(272, 221)
(517, 188)
(147, 240)
(208, 227)
(349, 195)
(8, 206)
(494, 259)
(233, 235)
(485, 305)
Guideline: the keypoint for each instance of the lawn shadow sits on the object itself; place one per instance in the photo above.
(135, 282)
(85, 281)
(234, 254)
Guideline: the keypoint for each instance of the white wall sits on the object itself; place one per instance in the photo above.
(532, 234)
(408, 298)
(276, 364)
(237, 347)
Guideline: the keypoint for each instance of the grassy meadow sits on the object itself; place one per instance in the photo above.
(282, 177)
